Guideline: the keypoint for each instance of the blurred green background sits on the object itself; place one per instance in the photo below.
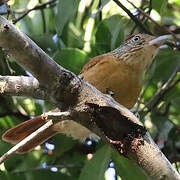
(72, 32)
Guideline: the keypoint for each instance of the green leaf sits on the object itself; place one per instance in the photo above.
(127, 169)
(72, 37)
(47, 175)
(166, 61)
(66, 10)
(62, 144)
(72, 59)
(159, 5)
(4, 147)
(45, 41)
(8, 176)
(32, 25)
(8, 122)
(176, 102)
(96, 167)
(108, 38)
(162, 68)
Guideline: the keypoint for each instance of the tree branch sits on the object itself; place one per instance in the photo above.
(88, 106)
(21, 86)
(27, 53)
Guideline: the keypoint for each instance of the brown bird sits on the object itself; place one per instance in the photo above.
(120, 71)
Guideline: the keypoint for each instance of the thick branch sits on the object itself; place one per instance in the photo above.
(88, 106)
(21, 86)
(152, 160)
(27, 53)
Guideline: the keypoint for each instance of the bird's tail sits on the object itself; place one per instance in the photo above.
(19, 132)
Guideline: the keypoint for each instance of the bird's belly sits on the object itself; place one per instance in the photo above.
(125, 88)
(123, 81)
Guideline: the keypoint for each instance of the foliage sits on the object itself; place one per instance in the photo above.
(73, 31)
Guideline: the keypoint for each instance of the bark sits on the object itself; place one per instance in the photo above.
(89, 107)
(21, 86)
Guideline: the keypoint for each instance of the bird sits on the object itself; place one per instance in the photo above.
(120, 71)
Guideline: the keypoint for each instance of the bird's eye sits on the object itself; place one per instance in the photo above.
(136, 38)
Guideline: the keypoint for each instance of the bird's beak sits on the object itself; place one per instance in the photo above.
(160, 40)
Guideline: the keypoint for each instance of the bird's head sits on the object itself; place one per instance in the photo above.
(140, 49)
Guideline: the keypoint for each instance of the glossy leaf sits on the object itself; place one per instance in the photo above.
(127, 169)
(65, 11)
(108, 38)
(159, 5)
(96, 167)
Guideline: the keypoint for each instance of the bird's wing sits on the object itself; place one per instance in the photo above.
(94, 61)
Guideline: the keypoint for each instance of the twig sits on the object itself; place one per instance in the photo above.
(134, 18)
(154, 101)
(24, 141)
(57, 116)
(149, 10)
(39, 6)
(12, 71)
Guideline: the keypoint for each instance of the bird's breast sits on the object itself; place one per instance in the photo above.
(112, 74)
